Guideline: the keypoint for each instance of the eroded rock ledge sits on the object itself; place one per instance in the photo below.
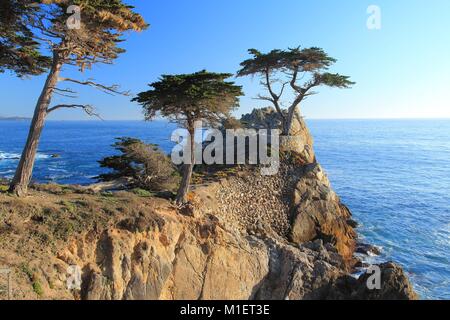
(165, 256)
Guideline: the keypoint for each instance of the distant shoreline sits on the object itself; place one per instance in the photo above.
(163, 120)
(14, 119)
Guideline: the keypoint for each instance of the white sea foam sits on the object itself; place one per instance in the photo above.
(41, 156)
(16, 156)
(7, 155)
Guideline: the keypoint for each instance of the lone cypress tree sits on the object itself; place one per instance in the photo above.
(187, 98)
(301, 69)
(44, 25)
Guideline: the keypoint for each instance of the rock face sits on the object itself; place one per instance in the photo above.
(394, 285)
(187, 258)
(300, 139)
(297, 205)
(318, 213)
(179, 259)
(165, 256)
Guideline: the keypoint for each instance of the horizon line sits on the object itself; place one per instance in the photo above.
(306, 118)
(21, 118)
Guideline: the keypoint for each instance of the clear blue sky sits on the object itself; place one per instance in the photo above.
(402, 70)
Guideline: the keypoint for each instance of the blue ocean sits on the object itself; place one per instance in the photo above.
(393, 174)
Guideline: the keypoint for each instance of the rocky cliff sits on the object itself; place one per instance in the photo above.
(133, 247)
(245, 236)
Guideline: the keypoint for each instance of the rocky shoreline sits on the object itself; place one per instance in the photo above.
(244, 236)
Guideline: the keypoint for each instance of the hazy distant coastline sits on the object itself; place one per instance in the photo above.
(13, 118)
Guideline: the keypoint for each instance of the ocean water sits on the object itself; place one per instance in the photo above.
(393, 174)
(395, 177)
(78, 145)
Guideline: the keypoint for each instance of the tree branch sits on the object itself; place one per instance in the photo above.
(293, 83)
(65, 92)
(260, 97)
(275, 97)
(282, 89)
(112, 90)
(90, 111)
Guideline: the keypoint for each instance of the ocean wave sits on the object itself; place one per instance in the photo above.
(57, 169)
(16, 156)
(9, 156)
(58, 177)
(40, 156)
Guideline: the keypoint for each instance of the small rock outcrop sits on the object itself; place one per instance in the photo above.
(394, 285)
(319, 214)
(300, 139)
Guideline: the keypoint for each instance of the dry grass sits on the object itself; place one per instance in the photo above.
(52, 214)
(34, 229)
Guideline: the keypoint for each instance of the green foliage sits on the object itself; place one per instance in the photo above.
(311, 61)
(37, 288)
(142, 193)
(28, 32)
(335, 80)
(301, 69)
(26, 269)
(144, 165)
(186, 98)
(107, 194)
(19, 51)
(69, 206)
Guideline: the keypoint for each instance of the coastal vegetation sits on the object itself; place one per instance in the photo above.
(237, 234)
(187, 99)
(37, 39)
(143, 166)
(19, 50)
(300, 69)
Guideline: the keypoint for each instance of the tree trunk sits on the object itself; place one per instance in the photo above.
(187, 170)
(22, 177)
(287, 126)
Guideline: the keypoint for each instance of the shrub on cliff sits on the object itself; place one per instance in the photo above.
(144, 165)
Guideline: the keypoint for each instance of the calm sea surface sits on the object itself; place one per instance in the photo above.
(394, 175)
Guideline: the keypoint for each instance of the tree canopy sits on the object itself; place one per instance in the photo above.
(189, 97)
(186, 98)
(19, 50)
(31, 30)
(301, 69)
